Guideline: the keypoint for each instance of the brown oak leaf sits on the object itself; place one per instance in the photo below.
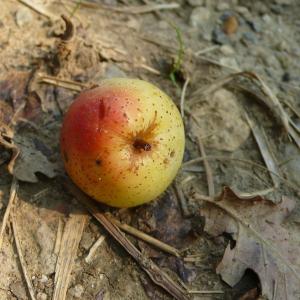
(263, 243)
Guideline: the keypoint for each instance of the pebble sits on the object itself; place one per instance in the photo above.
(254, 25)
(284, 2)
(267, 19)
(23, 16)
(195, 2)
(219, 37)
(230, 62)
(222, 6)
(227, 50)
(113, 71)
(41, 296)
(44, 278)
(76, 291)
(249, 37)
(199, 16)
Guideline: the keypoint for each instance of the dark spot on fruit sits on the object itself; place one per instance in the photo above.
(98, 162)
(66, 157)
(172, 153)
(140, 144)
(101, 110)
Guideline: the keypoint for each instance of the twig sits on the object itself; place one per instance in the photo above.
(249, 162)
(67, 84)
(149, 69)
(142, 9)
(265, 151)
(21, 257)
(155, 273)
(59, 234)
(70, 241)
(145, 237)
(204, 292)
(12, 196)
(94, 248)
(206, 50)
(182, 98)
(208, 170)
(38, 9)
(182, 199)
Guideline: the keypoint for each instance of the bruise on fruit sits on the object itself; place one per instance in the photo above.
(140, 144)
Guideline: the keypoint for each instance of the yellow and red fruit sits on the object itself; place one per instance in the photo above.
(122, 143)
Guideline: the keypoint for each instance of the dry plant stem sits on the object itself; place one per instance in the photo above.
(182, 98)
(38, 9)
(249, 162)
(206, 50)
(67, 84)
(155, 273)
(292, 108)
(58, 236)
(94, 248)
(265, 151)
(208, 170)
(145, 237)
(205, 292)
(21, 257)
(142, 9)
(11, 200)
(69, 245)
(149, 69)
(182, 200)
(250, 228)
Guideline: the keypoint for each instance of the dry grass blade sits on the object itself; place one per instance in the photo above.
(67, 84)
(142, 9)
(11, 200)
(145, 237)
(205, 292)
(38, 8)
(155, 273)
(182, 200)
(265, 151)
(94, 248)
(69, 244)
(208, 170)
(182, 98)
(21, 257)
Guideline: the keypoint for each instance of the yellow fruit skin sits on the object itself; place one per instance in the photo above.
(122, 143)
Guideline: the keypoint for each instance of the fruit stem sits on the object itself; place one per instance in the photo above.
(140, 144)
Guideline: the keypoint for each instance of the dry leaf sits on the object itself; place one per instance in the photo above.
(263, 244)
(31, 161)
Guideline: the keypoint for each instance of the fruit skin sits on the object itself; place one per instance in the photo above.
(122, 143)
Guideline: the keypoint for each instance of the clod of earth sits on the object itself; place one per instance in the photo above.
(122, 143)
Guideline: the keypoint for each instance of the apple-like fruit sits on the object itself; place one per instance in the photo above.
(122, 143)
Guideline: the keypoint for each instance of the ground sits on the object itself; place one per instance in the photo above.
(117, 39)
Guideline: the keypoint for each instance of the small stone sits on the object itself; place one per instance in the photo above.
(284, 2)
(113, 71)
(219, 37)
(76, 291)
(267, 19)
(18, 289)
(230, 62)
(199, 16)
(44, 278)
(23, 16)
(41, 296)
(195, 2)
(255, 26)
(222, 6)
(277, 9)
(227, 50)
(244, 11)
(249, 37)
